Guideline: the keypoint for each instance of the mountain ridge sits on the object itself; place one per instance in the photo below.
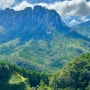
(50, 21)
(32, 18)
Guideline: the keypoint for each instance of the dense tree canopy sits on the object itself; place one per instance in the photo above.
(74, 76)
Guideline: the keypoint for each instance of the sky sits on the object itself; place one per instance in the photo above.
(72, 12)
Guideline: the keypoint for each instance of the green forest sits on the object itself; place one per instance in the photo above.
(75, 75)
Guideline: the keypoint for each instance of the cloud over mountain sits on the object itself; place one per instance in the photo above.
(22, 6)
(66, 8)
(6, 4)
(69, 8)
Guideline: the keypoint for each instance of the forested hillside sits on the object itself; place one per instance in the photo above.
(75, 75)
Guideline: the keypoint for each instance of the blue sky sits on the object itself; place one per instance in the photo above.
(71, 11)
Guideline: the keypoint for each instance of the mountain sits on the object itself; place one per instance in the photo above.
(37, 39)
(29, 24)
(83, 29)
(11, 79)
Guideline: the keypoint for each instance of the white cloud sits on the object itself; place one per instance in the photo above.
(65, 8)
(71, 8)
(74, 22)
(22, 6)
(6, 4)
(84, 19)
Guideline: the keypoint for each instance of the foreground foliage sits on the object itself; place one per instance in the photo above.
(14, 78)
(73, 76)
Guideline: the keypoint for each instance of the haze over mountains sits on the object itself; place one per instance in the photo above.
(73, 76)
(37, 39)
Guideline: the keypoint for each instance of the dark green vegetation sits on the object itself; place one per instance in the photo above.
(14, 78)
(73, 76)
(36, 43)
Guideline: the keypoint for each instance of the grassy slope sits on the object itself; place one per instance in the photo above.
(14, 78)
(11, 79)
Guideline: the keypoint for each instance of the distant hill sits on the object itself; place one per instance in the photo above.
(83, 29)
